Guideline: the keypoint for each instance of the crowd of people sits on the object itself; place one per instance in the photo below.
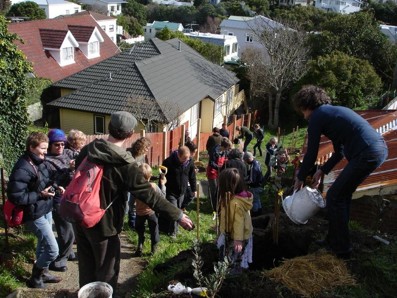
(235, 186)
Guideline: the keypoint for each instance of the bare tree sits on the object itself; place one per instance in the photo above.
(281, 62)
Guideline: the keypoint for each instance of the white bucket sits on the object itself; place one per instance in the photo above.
(96, 289)
(303, 204)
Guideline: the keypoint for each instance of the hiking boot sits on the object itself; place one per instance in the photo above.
(54, 267)
(49, 278)
(36, 280)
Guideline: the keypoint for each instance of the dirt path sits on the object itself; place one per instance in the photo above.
(130, 268)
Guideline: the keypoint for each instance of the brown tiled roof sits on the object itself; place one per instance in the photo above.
(52, 38)
(383, 179)
(44, 65)
(81, 33)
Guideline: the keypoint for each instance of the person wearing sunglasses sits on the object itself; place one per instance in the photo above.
(59, 164)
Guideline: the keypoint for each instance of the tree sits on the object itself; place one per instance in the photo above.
(357, 35)
(385, 12)
(277, 65)
(13, 86)
(350, 81)
(136, 10)
(130, 24)
(27, 9)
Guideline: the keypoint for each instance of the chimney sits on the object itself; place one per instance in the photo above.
(179, 45)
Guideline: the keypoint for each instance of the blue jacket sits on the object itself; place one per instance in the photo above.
(349, 132)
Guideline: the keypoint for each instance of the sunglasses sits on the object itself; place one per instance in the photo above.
(59, 144)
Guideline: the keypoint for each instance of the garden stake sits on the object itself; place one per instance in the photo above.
(3, 195)
(277, 216)
(198, 211)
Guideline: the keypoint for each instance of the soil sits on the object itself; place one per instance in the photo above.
(130, 268)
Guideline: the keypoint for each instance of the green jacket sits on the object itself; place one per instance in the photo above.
(121, 174)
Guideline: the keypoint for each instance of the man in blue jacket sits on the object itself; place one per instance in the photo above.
(353, 138)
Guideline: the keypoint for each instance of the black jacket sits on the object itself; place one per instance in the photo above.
(28, 178)
(179, 175)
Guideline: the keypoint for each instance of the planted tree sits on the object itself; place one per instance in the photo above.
(13, 87)
(273, 68)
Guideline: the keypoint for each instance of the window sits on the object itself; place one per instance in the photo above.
(230, 33)
(112, 8)
(249, 38)
(234, 48)
(227, 50)
(93, 48)
(111, 28)
(67, 54)
(99, 124)
(76, 10)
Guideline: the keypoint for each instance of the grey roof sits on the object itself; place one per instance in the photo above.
(252, 23)
(156, 74)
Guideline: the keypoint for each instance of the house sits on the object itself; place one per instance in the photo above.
(163, 83)
(390, 31)
(108, 7)
(54, 8)
(383, 180)
(107, 23)
(173, 3)
(151, 29)
(343, 7)
(244, 29)
(58, 48)
(228, 42)
(294, 2)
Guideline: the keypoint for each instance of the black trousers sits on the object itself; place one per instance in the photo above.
(99, 257)
(153, 228)
(65, 237)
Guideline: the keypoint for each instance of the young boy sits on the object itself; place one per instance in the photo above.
(143, 213)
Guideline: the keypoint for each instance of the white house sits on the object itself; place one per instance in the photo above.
(294, 2)
(173, 3)
(244, 29)
(339, 6)
(55, 8)
(228, 42)
(109, 25)
(390, 31)
(109, 7)
(151, 29)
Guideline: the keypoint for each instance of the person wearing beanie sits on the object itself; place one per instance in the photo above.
(99, 246)
(62, 168)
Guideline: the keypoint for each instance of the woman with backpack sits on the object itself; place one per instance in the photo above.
(27, 188)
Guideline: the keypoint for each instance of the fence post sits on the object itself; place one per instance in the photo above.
(165, 145)
(143, 133)
(234, 126)
(182, 141)
(242, 119)
(249, 120)
(198, 138)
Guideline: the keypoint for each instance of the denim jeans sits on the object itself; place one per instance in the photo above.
(47, 246)
(177, 202)
(340, 194)
(256, 191)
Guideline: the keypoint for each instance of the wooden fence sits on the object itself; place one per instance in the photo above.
(163, 143)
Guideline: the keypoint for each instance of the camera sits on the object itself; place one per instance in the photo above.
(54, 190)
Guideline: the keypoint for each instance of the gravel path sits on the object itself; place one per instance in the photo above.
(130, 268)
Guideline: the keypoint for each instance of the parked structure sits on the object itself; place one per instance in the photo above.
(163, 83)
(228, 42)
(152, 28)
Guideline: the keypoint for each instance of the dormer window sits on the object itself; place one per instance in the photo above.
(68, 54)
(89, 39)
(93, 48)
(60, 44)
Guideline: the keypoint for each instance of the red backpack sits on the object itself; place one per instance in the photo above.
(13, 214)
(81, 202)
